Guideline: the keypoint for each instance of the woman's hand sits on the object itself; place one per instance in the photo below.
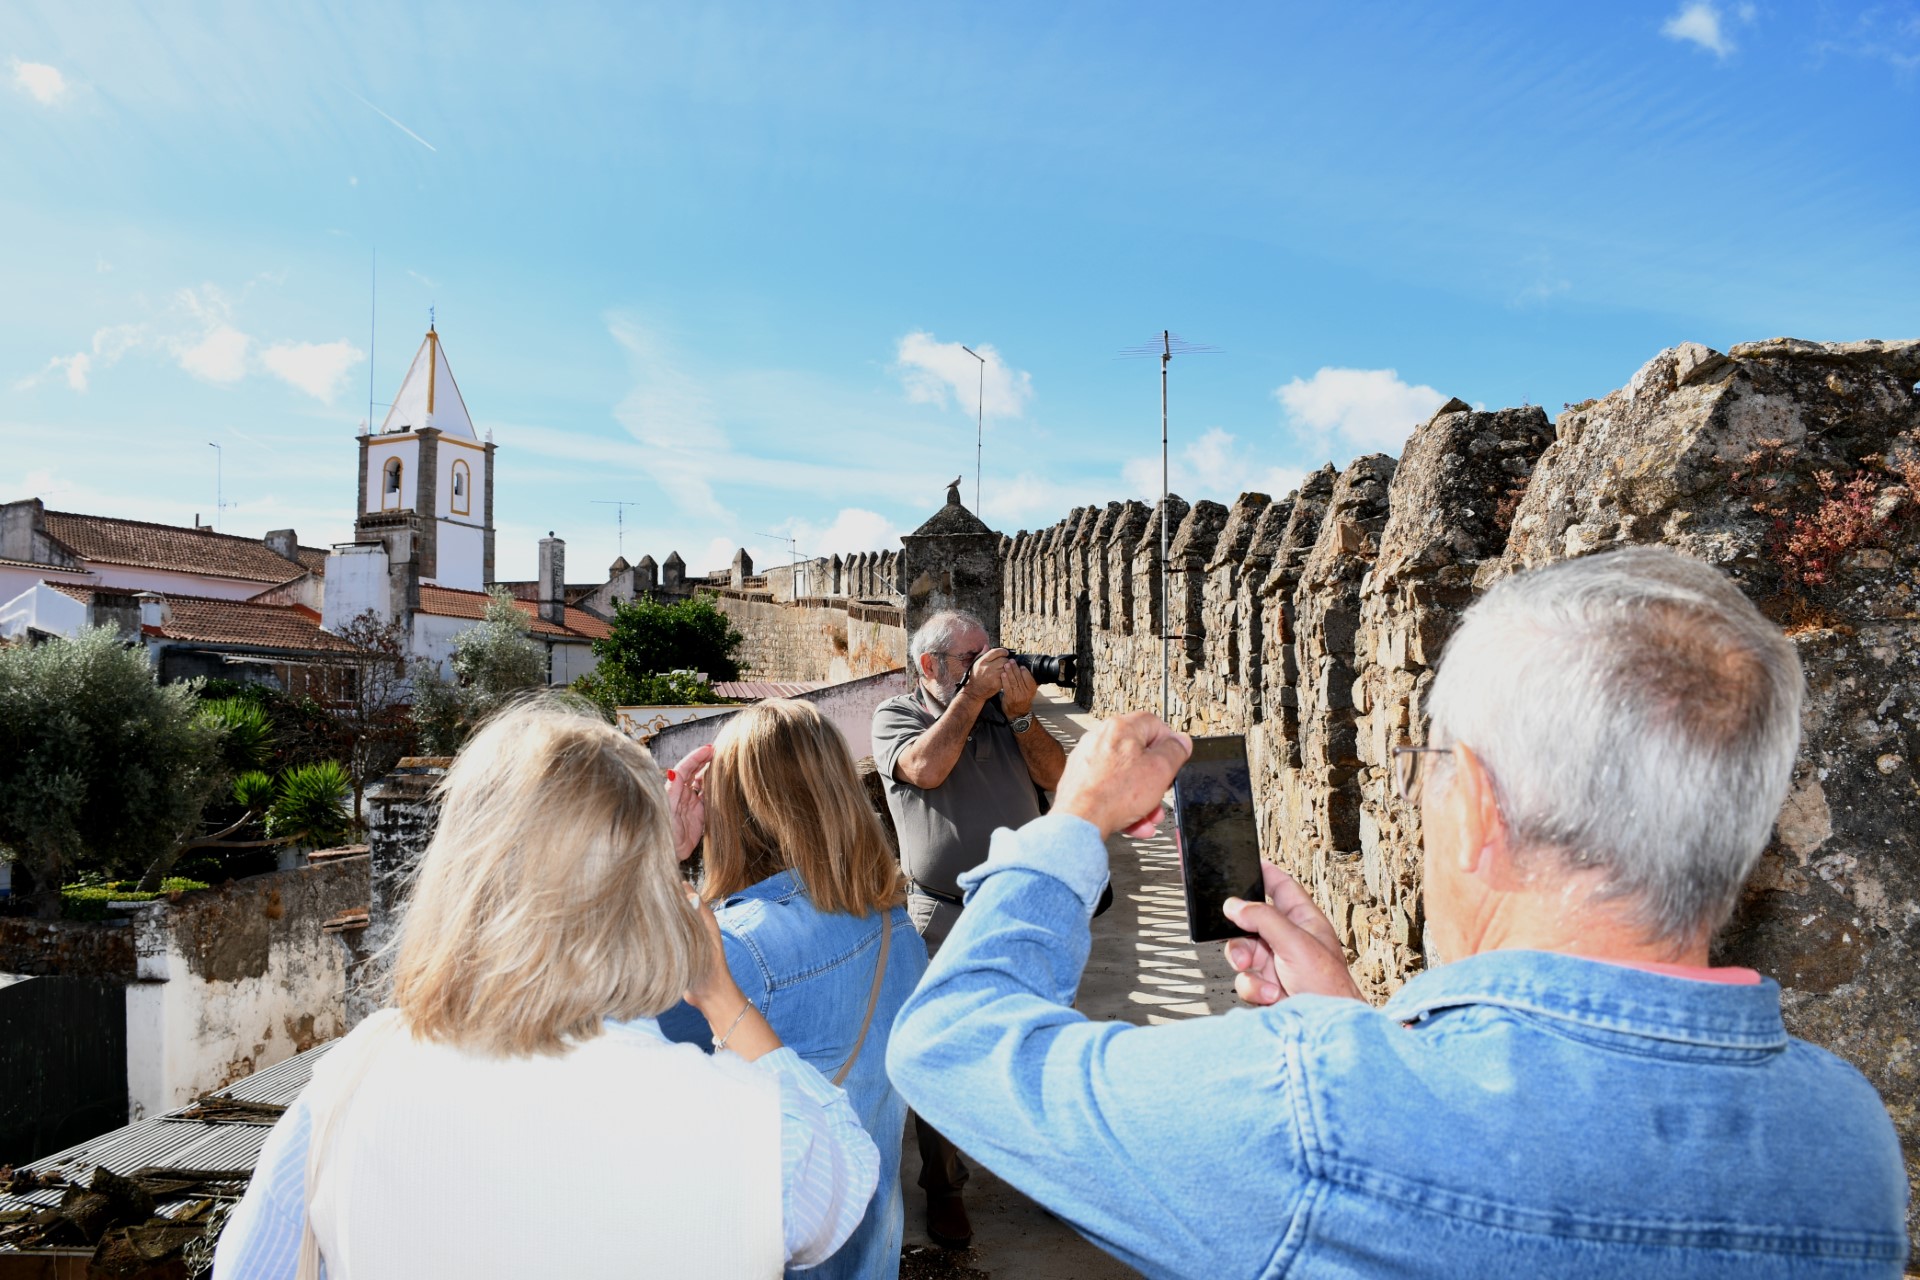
(730, 1015)
(686, 784)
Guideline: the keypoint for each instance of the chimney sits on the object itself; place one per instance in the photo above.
(19, 523)
(742, 568)
(154, 609)
(283, 543)
(553, 579)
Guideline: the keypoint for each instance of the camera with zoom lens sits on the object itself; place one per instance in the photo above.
(1050, 668)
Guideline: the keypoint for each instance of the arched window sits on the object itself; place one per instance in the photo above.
(462, 489)
(390, 485)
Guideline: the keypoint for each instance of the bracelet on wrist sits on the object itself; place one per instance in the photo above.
(720, 1041)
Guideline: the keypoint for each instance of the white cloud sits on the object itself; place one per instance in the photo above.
(317, 368)
(75, 368)
(217, 352)
(1361, 409)
(852, 530)
(1216, 466)
(44, 84)
(719, 555)
(669, 412)
(1699, 22)
(943, 373)
(219, 356)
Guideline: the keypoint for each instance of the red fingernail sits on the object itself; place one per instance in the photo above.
(671, 775)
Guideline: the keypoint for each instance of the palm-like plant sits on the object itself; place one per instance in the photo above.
(249, 737)
(310, 805)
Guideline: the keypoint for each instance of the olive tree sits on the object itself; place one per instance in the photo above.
(101, 767)
(492, 661)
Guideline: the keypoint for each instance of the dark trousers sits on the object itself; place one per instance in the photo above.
(942, 1171)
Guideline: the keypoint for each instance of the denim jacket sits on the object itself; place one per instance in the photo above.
(1513, 1114)
(809, 973)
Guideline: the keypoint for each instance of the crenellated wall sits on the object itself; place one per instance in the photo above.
(1314, 623)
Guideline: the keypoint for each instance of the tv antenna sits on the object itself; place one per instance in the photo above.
(619, 521)
(1164, 349)
(373, 316)
(793, 558)
(979, 423)
(219, 484)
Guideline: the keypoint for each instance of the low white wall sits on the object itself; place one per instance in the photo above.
(235, 979)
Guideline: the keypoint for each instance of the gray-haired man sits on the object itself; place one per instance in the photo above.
(961, 757)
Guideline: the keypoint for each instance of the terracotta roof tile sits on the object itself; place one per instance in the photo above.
(170, 546)
(446, 602)
(241, 622)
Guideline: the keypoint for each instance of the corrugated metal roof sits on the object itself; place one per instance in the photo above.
(224, 1145)
(756, 690)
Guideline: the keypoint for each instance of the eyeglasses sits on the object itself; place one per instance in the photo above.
(966, 659)
(1408, 775)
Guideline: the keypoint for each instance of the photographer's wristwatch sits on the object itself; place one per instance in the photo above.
(1022, 723)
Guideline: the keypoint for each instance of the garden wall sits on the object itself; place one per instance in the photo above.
(219, 983)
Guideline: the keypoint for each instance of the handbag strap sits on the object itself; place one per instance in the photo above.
(873, 996)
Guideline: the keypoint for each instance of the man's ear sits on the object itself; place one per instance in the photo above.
(1482, 848)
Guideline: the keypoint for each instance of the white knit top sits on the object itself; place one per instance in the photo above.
(626, 1156)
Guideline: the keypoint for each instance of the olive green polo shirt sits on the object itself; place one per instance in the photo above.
(945, 830)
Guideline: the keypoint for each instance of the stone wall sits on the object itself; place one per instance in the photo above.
(813, 638)
(219, 982)
(1313, 623)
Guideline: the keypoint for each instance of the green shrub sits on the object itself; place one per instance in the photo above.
(310, 805)
(492, 661)
(100, 767)
(253, 790)
(250, 733)
(89, 901)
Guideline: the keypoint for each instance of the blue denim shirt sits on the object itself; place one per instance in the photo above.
(1514, 1114)
(809, 973)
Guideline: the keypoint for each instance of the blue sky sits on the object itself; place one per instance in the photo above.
(718, 260)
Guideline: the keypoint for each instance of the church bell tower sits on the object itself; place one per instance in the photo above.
(426, 479)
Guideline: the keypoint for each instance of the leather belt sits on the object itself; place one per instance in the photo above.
(914, 886)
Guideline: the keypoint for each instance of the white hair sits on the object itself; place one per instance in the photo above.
(939, 631)
(1639, 718)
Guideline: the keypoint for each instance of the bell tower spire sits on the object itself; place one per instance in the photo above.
(426, 478)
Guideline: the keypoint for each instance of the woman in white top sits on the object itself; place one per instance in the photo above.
(517, 1112)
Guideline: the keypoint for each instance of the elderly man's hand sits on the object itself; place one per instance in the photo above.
(1295, 952)
(1117, 774)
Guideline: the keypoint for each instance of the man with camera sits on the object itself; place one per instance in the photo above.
(1576, 1091)
(960, 757)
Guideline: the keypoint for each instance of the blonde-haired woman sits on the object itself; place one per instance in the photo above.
(809, 894)
(517, 1111)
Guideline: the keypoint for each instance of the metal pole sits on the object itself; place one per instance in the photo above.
(373, 316)
(979, 423)
(1166, 679)
(219, 493)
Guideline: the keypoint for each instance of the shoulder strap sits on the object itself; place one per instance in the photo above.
(873, 996)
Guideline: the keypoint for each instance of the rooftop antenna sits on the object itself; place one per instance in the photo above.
(1164, 349)
(219, 466)
(793, 557)
(373, 315)
(979, 423)
(619, 518)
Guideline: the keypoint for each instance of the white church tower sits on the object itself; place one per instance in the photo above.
(426, 479)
